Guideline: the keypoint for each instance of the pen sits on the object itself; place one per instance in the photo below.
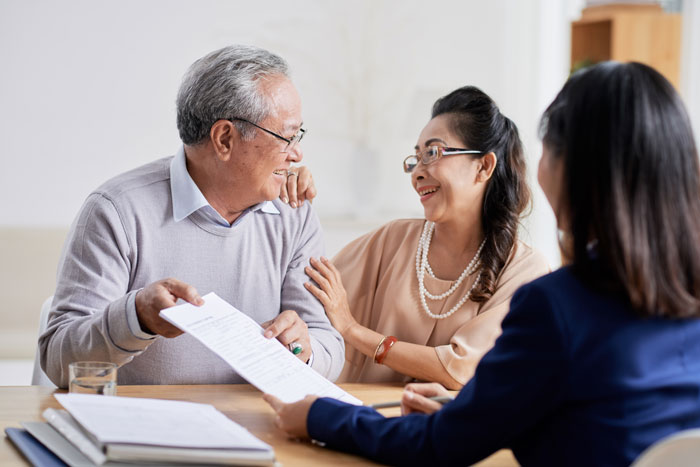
(386, 405)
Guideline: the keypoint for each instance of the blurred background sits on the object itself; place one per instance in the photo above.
(88, 91)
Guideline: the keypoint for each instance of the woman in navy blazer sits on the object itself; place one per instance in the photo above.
(601, 358)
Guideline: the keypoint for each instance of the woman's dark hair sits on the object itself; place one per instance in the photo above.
(477, 121)
(632, 188)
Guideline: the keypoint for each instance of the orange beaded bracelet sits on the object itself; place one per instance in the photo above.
(385, 345)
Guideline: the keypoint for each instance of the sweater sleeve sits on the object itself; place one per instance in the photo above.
(88, 318)
(518, 383)
(327, 344)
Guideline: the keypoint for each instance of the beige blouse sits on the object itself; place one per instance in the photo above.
(379, 275)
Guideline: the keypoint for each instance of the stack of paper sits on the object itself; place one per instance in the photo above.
(126, 429)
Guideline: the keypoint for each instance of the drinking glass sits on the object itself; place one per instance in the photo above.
(93, 378)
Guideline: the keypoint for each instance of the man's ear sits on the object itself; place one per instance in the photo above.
(224, 137)
(488, 165)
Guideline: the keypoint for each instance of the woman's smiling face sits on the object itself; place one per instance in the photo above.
(449, 187)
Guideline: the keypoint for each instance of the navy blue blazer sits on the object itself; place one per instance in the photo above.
(575, 379)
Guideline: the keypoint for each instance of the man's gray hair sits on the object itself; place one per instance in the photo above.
(224, 85)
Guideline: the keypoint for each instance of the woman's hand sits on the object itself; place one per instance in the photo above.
(299, 187)
(291, 418)
(331, 293)
(415, 398)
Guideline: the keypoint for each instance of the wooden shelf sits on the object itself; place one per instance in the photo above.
(628, 32)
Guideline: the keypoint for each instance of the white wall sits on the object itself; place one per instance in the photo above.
(88, 89)
(690, 58)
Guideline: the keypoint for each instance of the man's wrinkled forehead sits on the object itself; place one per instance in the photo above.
(283, 100)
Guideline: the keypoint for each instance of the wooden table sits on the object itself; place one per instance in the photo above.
(242, 403)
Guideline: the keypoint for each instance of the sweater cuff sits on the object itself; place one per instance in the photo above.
(322, 362)
(119, 326)
(133, 319)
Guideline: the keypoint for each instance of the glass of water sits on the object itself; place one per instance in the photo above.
(93, 378)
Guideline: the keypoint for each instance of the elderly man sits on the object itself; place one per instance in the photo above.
(204, 220)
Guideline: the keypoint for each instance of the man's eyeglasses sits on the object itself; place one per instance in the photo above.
(431, 154)
(291, 142)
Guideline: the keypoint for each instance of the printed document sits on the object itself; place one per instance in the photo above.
(110, 429)
(157, 422)
(239, 340)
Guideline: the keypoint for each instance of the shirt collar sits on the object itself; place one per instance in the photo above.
(267, 207)
(186, 195)
(187, 198)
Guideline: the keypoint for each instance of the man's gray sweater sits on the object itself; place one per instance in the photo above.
(125, 237)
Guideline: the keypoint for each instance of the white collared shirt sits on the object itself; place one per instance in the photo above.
(187, 197)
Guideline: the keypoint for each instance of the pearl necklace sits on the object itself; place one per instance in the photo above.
(422, 266)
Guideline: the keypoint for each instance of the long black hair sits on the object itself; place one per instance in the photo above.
(632, 185)
(475, 118)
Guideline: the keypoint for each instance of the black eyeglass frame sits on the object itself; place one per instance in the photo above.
(439, 151)
(290, 141)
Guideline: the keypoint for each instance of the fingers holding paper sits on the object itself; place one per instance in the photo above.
(291, 418)
(291, 331)
(415, 398)
(158, 296)
(331, 293)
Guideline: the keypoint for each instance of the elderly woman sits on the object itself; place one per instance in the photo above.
(601, 358)
(424, 298)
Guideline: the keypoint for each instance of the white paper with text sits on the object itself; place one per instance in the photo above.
(265, 363)
(112, 419)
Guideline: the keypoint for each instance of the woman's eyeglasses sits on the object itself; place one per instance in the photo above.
(433, 153)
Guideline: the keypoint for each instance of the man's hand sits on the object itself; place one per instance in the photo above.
(288, 328)
(299, 187)
(415, 398)
(291, 418)
(158, 296)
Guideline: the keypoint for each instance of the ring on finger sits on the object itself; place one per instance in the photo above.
(290, 173)
(296, 348)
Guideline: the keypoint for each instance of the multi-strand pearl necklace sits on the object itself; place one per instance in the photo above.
(422, 266)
